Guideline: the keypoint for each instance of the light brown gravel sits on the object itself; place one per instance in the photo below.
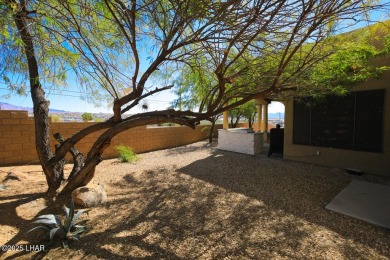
(197, 202)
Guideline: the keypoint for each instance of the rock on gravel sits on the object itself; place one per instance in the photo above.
(89, 196)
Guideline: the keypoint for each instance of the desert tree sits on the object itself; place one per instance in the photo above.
(191, 87)
(117, 49)
(86, 117)
(245, 111)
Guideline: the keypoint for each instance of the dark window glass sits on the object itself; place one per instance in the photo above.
(353, 122)
(332, 122)
(369, 120)
(301, 122)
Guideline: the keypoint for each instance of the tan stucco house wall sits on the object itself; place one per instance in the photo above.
(369, 162)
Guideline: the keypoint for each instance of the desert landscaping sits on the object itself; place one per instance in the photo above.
(197, 202)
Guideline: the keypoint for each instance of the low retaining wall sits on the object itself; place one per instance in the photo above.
(17, 137)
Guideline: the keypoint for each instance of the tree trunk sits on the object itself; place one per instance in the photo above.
(94, 157)
(54, 171)
(234, 121)
(212, 130)
(251, 119)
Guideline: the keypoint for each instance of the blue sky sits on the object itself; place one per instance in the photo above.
(70, 100)
(74, 104)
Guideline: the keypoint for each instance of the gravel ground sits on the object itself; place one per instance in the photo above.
(197, 202)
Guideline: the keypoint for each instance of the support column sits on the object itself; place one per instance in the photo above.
(225, 120)
(265, 125)
(259, 117)
(266, 118)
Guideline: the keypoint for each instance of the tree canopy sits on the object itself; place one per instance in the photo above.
(126, 51)
(87, 116)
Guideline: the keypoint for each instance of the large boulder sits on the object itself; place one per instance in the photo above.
(89, 196)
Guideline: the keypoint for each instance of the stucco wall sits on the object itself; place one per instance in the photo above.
(374, 163)
(17, 137)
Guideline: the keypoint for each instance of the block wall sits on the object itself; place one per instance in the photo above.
(17, 137)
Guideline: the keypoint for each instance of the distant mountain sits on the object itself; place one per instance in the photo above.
(6, 106)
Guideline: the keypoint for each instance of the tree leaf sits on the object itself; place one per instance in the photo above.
(53, 232)
(39, 227)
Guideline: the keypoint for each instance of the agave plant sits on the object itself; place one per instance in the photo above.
(65, 231)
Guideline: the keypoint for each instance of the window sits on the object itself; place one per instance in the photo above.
(354, 121)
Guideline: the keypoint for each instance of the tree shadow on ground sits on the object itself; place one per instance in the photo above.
(302, 190)
(161, 214)
(190, 148)
(179, 220)
(11, 218)
(226, 205)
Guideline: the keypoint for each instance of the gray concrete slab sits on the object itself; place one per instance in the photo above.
(364, 200)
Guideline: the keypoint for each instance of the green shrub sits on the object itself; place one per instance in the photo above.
(55, 118)
(126, 154)
(87, 117)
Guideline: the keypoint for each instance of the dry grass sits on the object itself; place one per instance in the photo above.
(196, 202)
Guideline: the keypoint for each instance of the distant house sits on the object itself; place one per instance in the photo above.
(345, 132)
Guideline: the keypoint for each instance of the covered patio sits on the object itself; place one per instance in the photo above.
(252, 141)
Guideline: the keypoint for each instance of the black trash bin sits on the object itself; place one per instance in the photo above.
(276, 140)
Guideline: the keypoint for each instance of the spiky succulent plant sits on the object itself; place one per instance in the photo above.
(65, 231)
